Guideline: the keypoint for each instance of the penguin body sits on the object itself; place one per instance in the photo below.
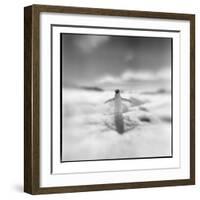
(117, 103)
(118, 111)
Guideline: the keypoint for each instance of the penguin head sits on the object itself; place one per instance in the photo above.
(117, 91)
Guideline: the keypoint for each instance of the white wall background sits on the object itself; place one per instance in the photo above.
(11, 100)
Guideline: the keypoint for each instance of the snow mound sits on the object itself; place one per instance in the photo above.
(91, 131)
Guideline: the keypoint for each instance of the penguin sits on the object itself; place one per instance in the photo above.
(118, 106)
(118, 111)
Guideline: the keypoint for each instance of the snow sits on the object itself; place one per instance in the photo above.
(90, 132)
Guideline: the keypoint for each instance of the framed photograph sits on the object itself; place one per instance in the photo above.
(109, 99)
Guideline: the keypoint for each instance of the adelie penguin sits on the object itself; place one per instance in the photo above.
(118, 111)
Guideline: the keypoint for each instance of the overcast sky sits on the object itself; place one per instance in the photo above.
(96, 60)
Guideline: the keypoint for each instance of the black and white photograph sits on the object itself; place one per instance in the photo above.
(109, 99)
(116, 97)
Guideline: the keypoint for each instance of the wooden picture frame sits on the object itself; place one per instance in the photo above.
(32, 92)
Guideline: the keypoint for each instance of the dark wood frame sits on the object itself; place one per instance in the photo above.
(32, 105)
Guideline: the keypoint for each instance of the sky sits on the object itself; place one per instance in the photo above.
(96, 60)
